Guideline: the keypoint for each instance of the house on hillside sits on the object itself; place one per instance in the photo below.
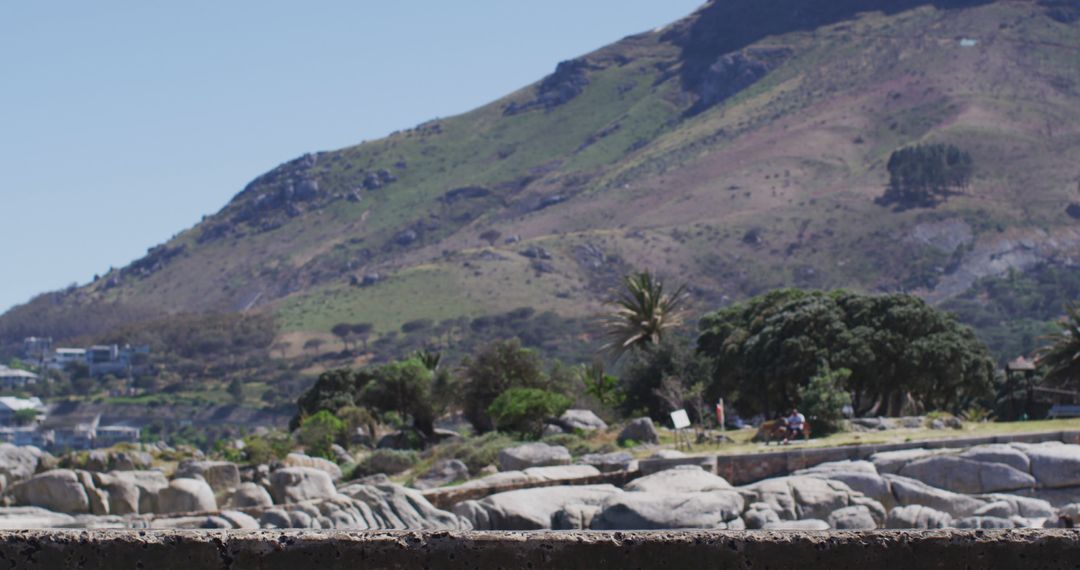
(13, 409)
(116, 360)
(72, 431)
(62, 358)
(82, 431)
(22, 435)
(108, 436)
(12, 379)
(37, 349)
(100, 360)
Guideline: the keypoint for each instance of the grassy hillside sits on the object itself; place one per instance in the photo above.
(738, 150)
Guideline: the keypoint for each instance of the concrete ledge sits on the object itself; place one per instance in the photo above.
(295, 550)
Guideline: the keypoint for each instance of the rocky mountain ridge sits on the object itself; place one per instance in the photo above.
(739, 149)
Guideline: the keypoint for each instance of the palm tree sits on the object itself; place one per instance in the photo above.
(1061, 355)
(429, 358)
(643, 313)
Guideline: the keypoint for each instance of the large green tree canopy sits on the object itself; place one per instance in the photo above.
(410, 388)
(899, 350)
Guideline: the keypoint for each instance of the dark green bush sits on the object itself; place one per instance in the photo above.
(319, 432)
(388, 461)
(823, 400)
(523, 410)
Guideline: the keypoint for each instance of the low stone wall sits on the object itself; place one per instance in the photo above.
(650, 466)
(292, 550)
(748, 468)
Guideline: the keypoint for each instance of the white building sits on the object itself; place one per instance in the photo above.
(36, 349)
(10, 408)
(108, 436)
(26, 435)
(12, 379)
(63, 357)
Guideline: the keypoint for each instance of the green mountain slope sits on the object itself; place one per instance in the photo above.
(738, 150)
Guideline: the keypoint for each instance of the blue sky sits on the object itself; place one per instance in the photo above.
(122, 123)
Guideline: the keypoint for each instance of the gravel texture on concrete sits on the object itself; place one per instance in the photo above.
(298, 550)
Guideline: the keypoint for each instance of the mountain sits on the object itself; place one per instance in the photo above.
(742, 148)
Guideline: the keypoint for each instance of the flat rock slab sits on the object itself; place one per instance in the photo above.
(189, 550)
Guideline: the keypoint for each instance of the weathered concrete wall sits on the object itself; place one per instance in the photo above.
(748, 468)
(191, 550)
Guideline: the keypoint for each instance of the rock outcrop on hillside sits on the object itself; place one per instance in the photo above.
(847, 495)
(19, 463)
(530, 509)
(206, 494)
(891, 490)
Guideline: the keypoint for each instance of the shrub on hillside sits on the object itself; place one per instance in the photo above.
(319, 432)
(407, 389)
(476, 453)
(659, 381)
(266, 448)
(823, 400)
(335, 389)
(523, 410)
(497, 368)
(386, 461)
(402, 390)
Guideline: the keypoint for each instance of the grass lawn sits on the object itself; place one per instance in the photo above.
(744, 445)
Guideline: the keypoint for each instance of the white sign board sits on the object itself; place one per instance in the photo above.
(680, 419)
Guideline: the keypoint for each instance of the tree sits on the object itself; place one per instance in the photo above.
(406, 388)
(824, 398)
(899, 350)
(314, 344)
(666, 378)
(429, 358)
(1061, 355)
(332, 391)
(920, 175)
(236, 391)
(83, 385)
(490, 236)
(268, 447)
(416, 325)
(358, 419)
(600, 385)
(26, 416)
(523, 410)
(281, 348)
(498, 367)
(319, 432)
(342, 331)
(361, 331)
(643, 313)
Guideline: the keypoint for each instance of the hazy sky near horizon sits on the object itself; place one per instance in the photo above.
(123, 123)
